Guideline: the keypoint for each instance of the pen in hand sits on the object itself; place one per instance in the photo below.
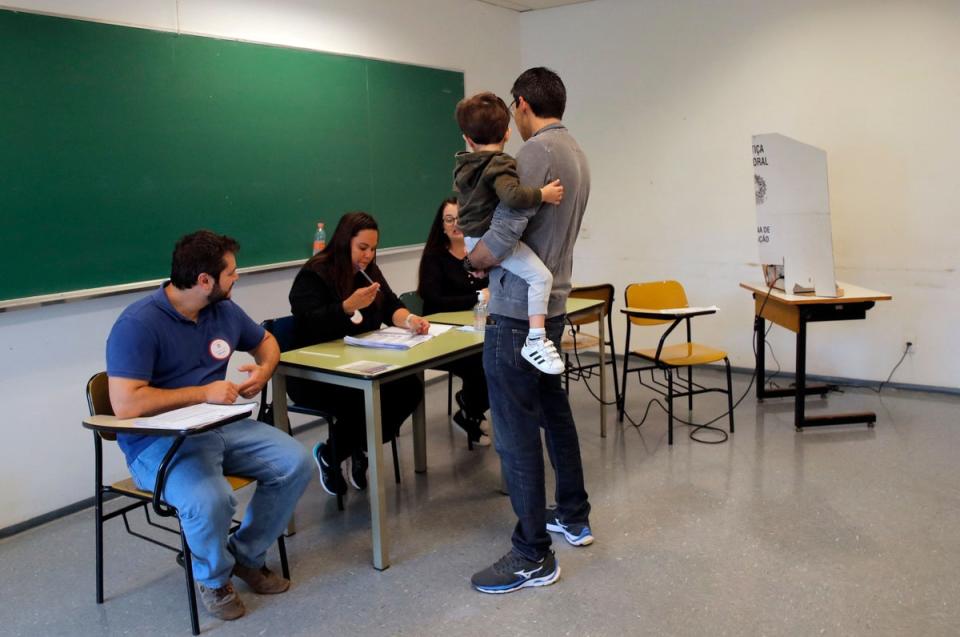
(357, 318)
(367, 277)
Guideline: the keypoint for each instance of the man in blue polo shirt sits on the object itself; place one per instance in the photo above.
(171, 350)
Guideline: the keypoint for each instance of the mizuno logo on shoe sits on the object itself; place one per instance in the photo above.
(527, 574)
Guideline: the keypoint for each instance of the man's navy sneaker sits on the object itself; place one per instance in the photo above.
(330, 479)
(576, 534)
(513, 572)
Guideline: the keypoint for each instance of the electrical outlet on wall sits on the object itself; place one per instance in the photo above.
(912, 340)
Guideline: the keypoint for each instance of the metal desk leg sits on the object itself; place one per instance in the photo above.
(760, 328)
(420, 433)
(281, 420)
(801, 381)
(603, 372)
(801, 420)
(761, 345)
(378, 503)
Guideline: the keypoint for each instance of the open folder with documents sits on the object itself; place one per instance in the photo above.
(195, 416)
(394, 337)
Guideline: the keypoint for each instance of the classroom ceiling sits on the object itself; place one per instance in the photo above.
(531, 5)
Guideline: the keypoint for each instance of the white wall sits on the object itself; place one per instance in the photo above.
(664, 97)
(48, 352)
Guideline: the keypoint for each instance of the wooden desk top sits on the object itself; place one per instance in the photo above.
(851, 294)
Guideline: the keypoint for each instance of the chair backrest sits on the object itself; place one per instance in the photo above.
(282, 330)
(657, 295)
(601, 292)
(98, 399)
(412, 301)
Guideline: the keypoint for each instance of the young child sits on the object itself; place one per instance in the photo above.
(486, 176)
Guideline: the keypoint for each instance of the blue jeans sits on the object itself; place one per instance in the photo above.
(524, 262)
(204, 499)
(524, 401)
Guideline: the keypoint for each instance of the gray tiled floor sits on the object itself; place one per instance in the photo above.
(847, 531)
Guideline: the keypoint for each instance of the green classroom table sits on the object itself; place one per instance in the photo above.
(323, 363)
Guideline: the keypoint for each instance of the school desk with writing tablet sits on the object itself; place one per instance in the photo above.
(118, 140)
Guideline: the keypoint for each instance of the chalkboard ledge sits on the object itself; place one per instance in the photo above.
(124, 288)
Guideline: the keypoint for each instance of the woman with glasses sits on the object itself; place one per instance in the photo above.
(445, 286)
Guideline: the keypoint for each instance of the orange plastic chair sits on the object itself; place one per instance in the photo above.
(664, 295)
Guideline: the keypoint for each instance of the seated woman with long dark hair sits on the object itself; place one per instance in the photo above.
(330, 299)
(445, 286)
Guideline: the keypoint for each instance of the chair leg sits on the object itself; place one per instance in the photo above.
(689, 388)
(333, 458)
(623, 383)
(621, 406)
(669, 406)
(282, 549)
(396, 460)
(613, 358)
(98, 510)
(191, 589)
(616, 380)
(726, 362)
(449, 395)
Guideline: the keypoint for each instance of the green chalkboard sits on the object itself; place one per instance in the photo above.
(115, 141)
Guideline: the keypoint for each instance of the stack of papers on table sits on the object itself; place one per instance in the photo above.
(390, 338)
(195, 416)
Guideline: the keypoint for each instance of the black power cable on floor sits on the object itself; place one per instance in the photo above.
(696, 426)
(906, 350)
(876, 390)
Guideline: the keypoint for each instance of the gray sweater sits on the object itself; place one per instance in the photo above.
(551, 231)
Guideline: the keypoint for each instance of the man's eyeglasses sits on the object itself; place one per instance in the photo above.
(513, 107)
(449, 221)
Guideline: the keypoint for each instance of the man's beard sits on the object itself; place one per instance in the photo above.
(217, 294)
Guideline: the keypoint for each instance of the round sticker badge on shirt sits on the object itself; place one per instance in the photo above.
(219, 349)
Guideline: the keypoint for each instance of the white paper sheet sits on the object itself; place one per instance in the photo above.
(194, 416)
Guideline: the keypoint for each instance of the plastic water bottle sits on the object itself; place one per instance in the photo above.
(480, 313)
(319, 239)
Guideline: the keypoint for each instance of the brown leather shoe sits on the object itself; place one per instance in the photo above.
(222, 603)
(262, 580)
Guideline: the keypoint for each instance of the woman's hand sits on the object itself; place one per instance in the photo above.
(486, 295)
(416, 324)
(361, 298)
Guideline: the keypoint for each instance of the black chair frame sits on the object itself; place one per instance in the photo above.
(583, 372)
(676, 386)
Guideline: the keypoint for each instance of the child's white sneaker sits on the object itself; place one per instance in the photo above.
(542, 354)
